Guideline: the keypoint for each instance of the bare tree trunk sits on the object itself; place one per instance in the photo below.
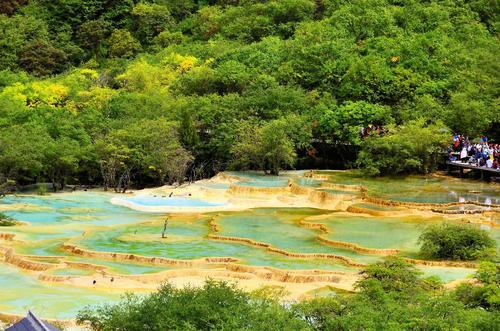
(123, 182)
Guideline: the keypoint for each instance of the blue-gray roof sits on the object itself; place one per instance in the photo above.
(32, 323)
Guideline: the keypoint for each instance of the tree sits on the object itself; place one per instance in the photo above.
(64, 154)
(15, 33)
(214, 306)
(164, 153)
(112, 155)
(247, 151)
(416, 147)
(393, 296)
(41, 58)
(22, 151)
(456, 242)
(188, 135)
(277, 147)
(150, 20)
(344, 123)
(123, 44)
(92, 35)
(485, 293)
(269, 148)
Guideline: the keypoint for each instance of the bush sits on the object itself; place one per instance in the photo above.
(485, 292)
(215, 306)
(395, 275)
(393, 296)
(42, 189)
(456, 242)
(6, 220)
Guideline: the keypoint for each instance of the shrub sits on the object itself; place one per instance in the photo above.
(394, 274)
(42, 189)
(456, 242)
(393, 296)
(485, 292)
(215, 306)
(6, 220)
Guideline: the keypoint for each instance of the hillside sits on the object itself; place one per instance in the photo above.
(144, 93)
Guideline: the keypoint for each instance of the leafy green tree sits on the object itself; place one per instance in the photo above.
(41, 58)
(112, 155)
(215, 306)
(15, 33)
(456, 242)
(92, 36)
(238, 68)
(149, 20)
(6, 220)
(393, 296)
(345, 122)
(247, 152)
(64, 154)
(163, 153)
(123, 44)
(393, 274)
(167, 38)
(485, 293)
(270, 147)
(22, 152)
(413, 147)
(188, 134)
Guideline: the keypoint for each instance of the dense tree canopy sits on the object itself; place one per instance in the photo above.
(78, 79)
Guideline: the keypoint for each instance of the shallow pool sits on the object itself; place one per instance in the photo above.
(20, 292)
(171, 202)
(423, 189)
(89, 220)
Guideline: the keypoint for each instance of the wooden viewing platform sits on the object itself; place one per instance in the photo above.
(486, 173)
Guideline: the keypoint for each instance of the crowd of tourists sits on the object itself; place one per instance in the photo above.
(366, 130)
(483, 153)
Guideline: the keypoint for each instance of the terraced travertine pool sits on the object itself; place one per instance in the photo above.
(420, 189)
(67, 240)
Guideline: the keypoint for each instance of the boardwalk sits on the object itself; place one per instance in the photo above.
(486, 172)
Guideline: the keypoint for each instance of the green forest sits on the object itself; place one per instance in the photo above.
(120, 93)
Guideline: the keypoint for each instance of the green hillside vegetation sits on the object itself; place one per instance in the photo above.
(149, 92)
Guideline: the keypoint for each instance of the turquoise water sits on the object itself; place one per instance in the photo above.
(446, 274)
(339, 192)
(259, 179)
(188, 241)
(425, 189)
(88, 208)
(173, 202)
(376, 207)
(269, 225)
(265, 183)
(89, 220)
(375, 232)
(309, 182)
(215, 186)
(71, 272)
(20, 292)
